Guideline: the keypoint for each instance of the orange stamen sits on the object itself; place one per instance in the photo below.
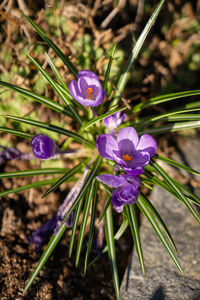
(89, 92)
(127, 157)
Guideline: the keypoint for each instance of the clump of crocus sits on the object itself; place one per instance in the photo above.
(43, 146)
(126, 189)
(88, 89)
(114, 121)
(129, 151)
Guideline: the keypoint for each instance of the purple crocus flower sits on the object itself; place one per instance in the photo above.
(43, 146)
(114, 121)
(129, 151)
(126, 189)
(88, 89)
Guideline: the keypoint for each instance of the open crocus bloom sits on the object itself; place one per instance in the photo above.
(128, 150)
(88, 89)
(126, 191)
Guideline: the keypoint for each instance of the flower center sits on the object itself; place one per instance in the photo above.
(127, 157)
(89, 92)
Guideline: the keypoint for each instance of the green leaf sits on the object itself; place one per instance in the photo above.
(56, 72)
(63, 179)
(164, 98)
(177, 164)
(46, 171)
(159, 219)
(75, 224)
(38, 98)
(146, 211)
(49, 249)
(117, 236)
(51, 44)
(28, 187)
(109, 233)
(57, 88)
(88, 200)
(172, 127)
(132, 219)
(53, 128)
(109, 68)
(92, 223)
(17, 132)
(88, 181)
(102, 117)
(176, 189)
(136, 49)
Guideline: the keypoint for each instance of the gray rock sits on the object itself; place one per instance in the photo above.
(163, 280)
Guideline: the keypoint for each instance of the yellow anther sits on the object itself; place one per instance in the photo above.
(127, 157)
(89, 92)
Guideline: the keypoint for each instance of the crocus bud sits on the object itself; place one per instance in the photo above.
(114, 121)
(43, 146)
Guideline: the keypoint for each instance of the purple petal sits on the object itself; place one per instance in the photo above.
(117, 205)
(128, 133)
(87, 73)
(74, 89)
(134, 171)
(128, 194)
(40, 236)
(112, 180)
(98, 99)
(140, 159)
(106, 144)
(148, 144)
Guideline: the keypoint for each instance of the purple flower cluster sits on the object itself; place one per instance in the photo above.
(131, 153)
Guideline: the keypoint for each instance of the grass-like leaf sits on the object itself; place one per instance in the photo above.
(160, 220)
(49, 249)
(28, 187)
(172, 127)
(56, 72)
(46, 171)
(109, 233)
(176, 189)
(146, 211)
(53, 128)
(38, 98)
(63, 179)
(75, 224)
(177, 164)
(136, 49)
(132, 219)
(92, 223)
(56, 88)
(88, 200)
(164, 98)
(144, 121)
(102, 117)
(109, 68)
(17, 132)
(51, 44)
